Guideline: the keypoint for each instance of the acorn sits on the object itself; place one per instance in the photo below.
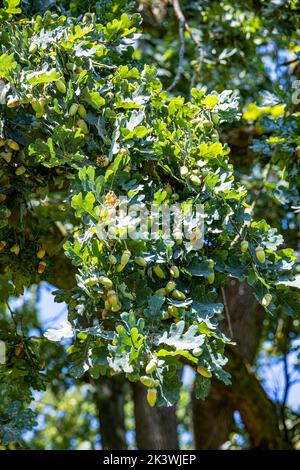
(119, 267)
(105, 281)
(178, 295)
(207, 123)
(244, 246)
(61, 86)
(41, 253)
(73, 109)
(13, 145)
(112, 298)
(174, 271)
(195, 180)
(33, 47)
(159, 272)
(82, 111)
(168, 188)
(2, 197)
(173, 311)
(83, 126)
(266, 300)
(19, 350)
(2, 244)
(116, 308)
(197, 352)
(15, 249)
(184, 171)
(161, 291)
(104, 313)
(151, 366)
(112, 259)
(204, 372)
(151, 396)
(140, 261)
(41, 267)
(170, 286)
(260, 254)
(20, 170)
(215, 118)
(211, 278)
(87, 17)
(147, 381)
(125, 257)
(13, 102)
(297, 151)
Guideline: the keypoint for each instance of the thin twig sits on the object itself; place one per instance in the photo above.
(227, 313)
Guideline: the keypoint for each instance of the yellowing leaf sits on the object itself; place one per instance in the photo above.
(253, 112)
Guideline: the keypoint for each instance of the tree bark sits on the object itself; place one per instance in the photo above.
(213, 418)
(156, 428)
(258, 412)
(109, 399)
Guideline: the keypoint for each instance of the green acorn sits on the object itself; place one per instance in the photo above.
(266, 300)
(125, 257)
(170, 286)
(73, 109)
(148, 381)
(195, 180)
(120, 267)
(113, 298)
(211, 278)
(20, 170)
(112, 259)
(83, 126)
(105, 281)
(184, 171)
(244, 246)
(215, 118)
(197, 352)
(151, 396)
(161, 291)
(159, 271)
(13, 102)
(82, 111)
(178, 295)
(140, 261)
(260, 254)
(151, 366)
(174, 271)
(33, 47)
(173, 311)
(61, 86)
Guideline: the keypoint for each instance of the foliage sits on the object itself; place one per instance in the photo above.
(84, 123)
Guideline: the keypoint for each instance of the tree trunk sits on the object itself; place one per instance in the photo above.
(156, 428)
(258, 412)
(213, 418)
(109, 399)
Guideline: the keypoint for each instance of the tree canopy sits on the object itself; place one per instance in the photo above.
(147, 105)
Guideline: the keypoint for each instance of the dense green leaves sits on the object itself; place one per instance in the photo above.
(85, 127)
